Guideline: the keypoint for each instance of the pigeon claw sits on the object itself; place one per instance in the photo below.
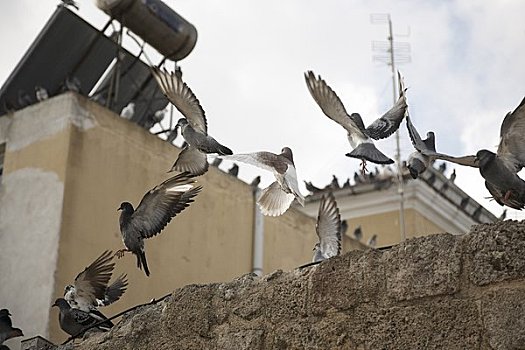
(120, 253)
(364, 170)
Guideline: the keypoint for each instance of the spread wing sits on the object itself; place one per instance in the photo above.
(264, 160)
(420, 145)
(92, 282)
(511, 148)
(386, 125)
(464, 160)
(115, 290)
(331, 105)
(162, 203)
(181, 96)
(328, 226)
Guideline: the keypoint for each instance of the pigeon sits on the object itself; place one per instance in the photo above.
(41, 93)
(256, 181)
(128, 111)
(360, 138)
(70, 3)
(503, 215)
(372, 241)
(276, 198)
(335, 183)
(234, 170)
(23, 99)
(154, 212)
(6, 327)
(75, 321)
(328, 229)
(452, 177)
(358, 233)
(310, 187)
(344, 227)
(216, 162)
(426, 154)
(71, 83)
(90, 289)
(193, 126)
(500, 169)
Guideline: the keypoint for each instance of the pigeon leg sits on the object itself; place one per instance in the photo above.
(363, 167)
(120, 253)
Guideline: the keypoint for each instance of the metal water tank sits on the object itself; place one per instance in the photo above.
(156, 23)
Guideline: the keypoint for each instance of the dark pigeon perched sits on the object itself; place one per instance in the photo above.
(74, 321)
(194, 127)
(90, 289)
(154, 212)
(276, 198)
(328, 229)
(6, 327)
(500, 169)
(360, 138)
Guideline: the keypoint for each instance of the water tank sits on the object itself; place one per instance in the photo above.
(156, 23)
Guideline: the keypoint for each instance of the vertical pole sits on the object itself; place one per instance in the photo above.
(400, 186)
(258, 236)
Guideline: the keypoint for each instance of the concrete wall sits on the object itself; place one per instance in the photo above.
(69, 165)
(436, 292)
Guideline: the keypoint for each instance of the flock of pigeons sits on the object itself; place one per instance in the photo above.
(91, 288)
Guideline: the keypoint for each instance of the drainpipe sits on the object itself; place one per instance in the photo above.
(258, 235)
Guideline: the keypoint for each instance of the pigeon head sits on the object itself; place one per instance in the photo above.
(416, 167)
(4, 312)
(181, 122)
(484, 157)
(62, 304)
(126, 207)
(287, 153)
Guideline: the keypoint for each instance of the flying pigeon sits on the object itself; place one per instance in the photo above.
(6, 327)
(128, 111)
(90, 289)
(426, 154)
(328, 229)
(500, 169)
(360, 138)
(276, 198)
(193, 126)
(41, 93)
(74, 321)
(154, 212)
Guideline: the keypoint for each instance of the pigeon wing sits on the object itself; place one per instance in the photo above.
(192, 160)
(264, 160)
(81, 317)
(511, 149)
(181, 96)
(162, 203)
(274, 201)
(92, 282)
(386, 125)
(418, 143)
(115, 290)
(331, 105)
(328, 226)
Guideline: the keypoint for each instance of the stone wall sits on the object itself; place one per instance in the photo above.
(436, 292)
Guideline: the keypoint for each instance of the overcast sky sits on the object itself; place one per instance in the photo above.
(466, 72)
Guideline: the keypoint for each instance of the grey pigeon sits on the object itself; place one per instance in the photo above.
(154, 212)
(328, 229)
(360, 138)
(358, 233)
(426, 154)
(503, 215)
(90, 289)
(6, 327)
(128, 111)
(234, 170)
(194, 127)
(276, 198)
(372, 241)
(23, 99)
(71, 83)
(344, 227)
(452, 177)
(75, 321)
(310, 187)
(256, 181)
(500, 169)
(41, 93)
(216, 162)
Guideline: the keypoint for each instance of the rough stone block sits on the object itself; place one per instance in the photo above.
(250, 339)
(345, 281)
(495, 252)
(423, 267)
(504, 318)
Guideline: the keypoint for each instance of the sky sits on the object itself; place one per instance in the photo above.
(465, 73)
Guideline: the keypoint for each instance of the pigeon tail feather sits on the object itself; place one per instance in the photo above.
(142, 262)
(369, 152)
(274, 201)
(223, 150)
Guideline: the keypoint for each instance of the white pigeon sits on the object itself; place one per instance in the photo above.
(128, 111)
(276, 198)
